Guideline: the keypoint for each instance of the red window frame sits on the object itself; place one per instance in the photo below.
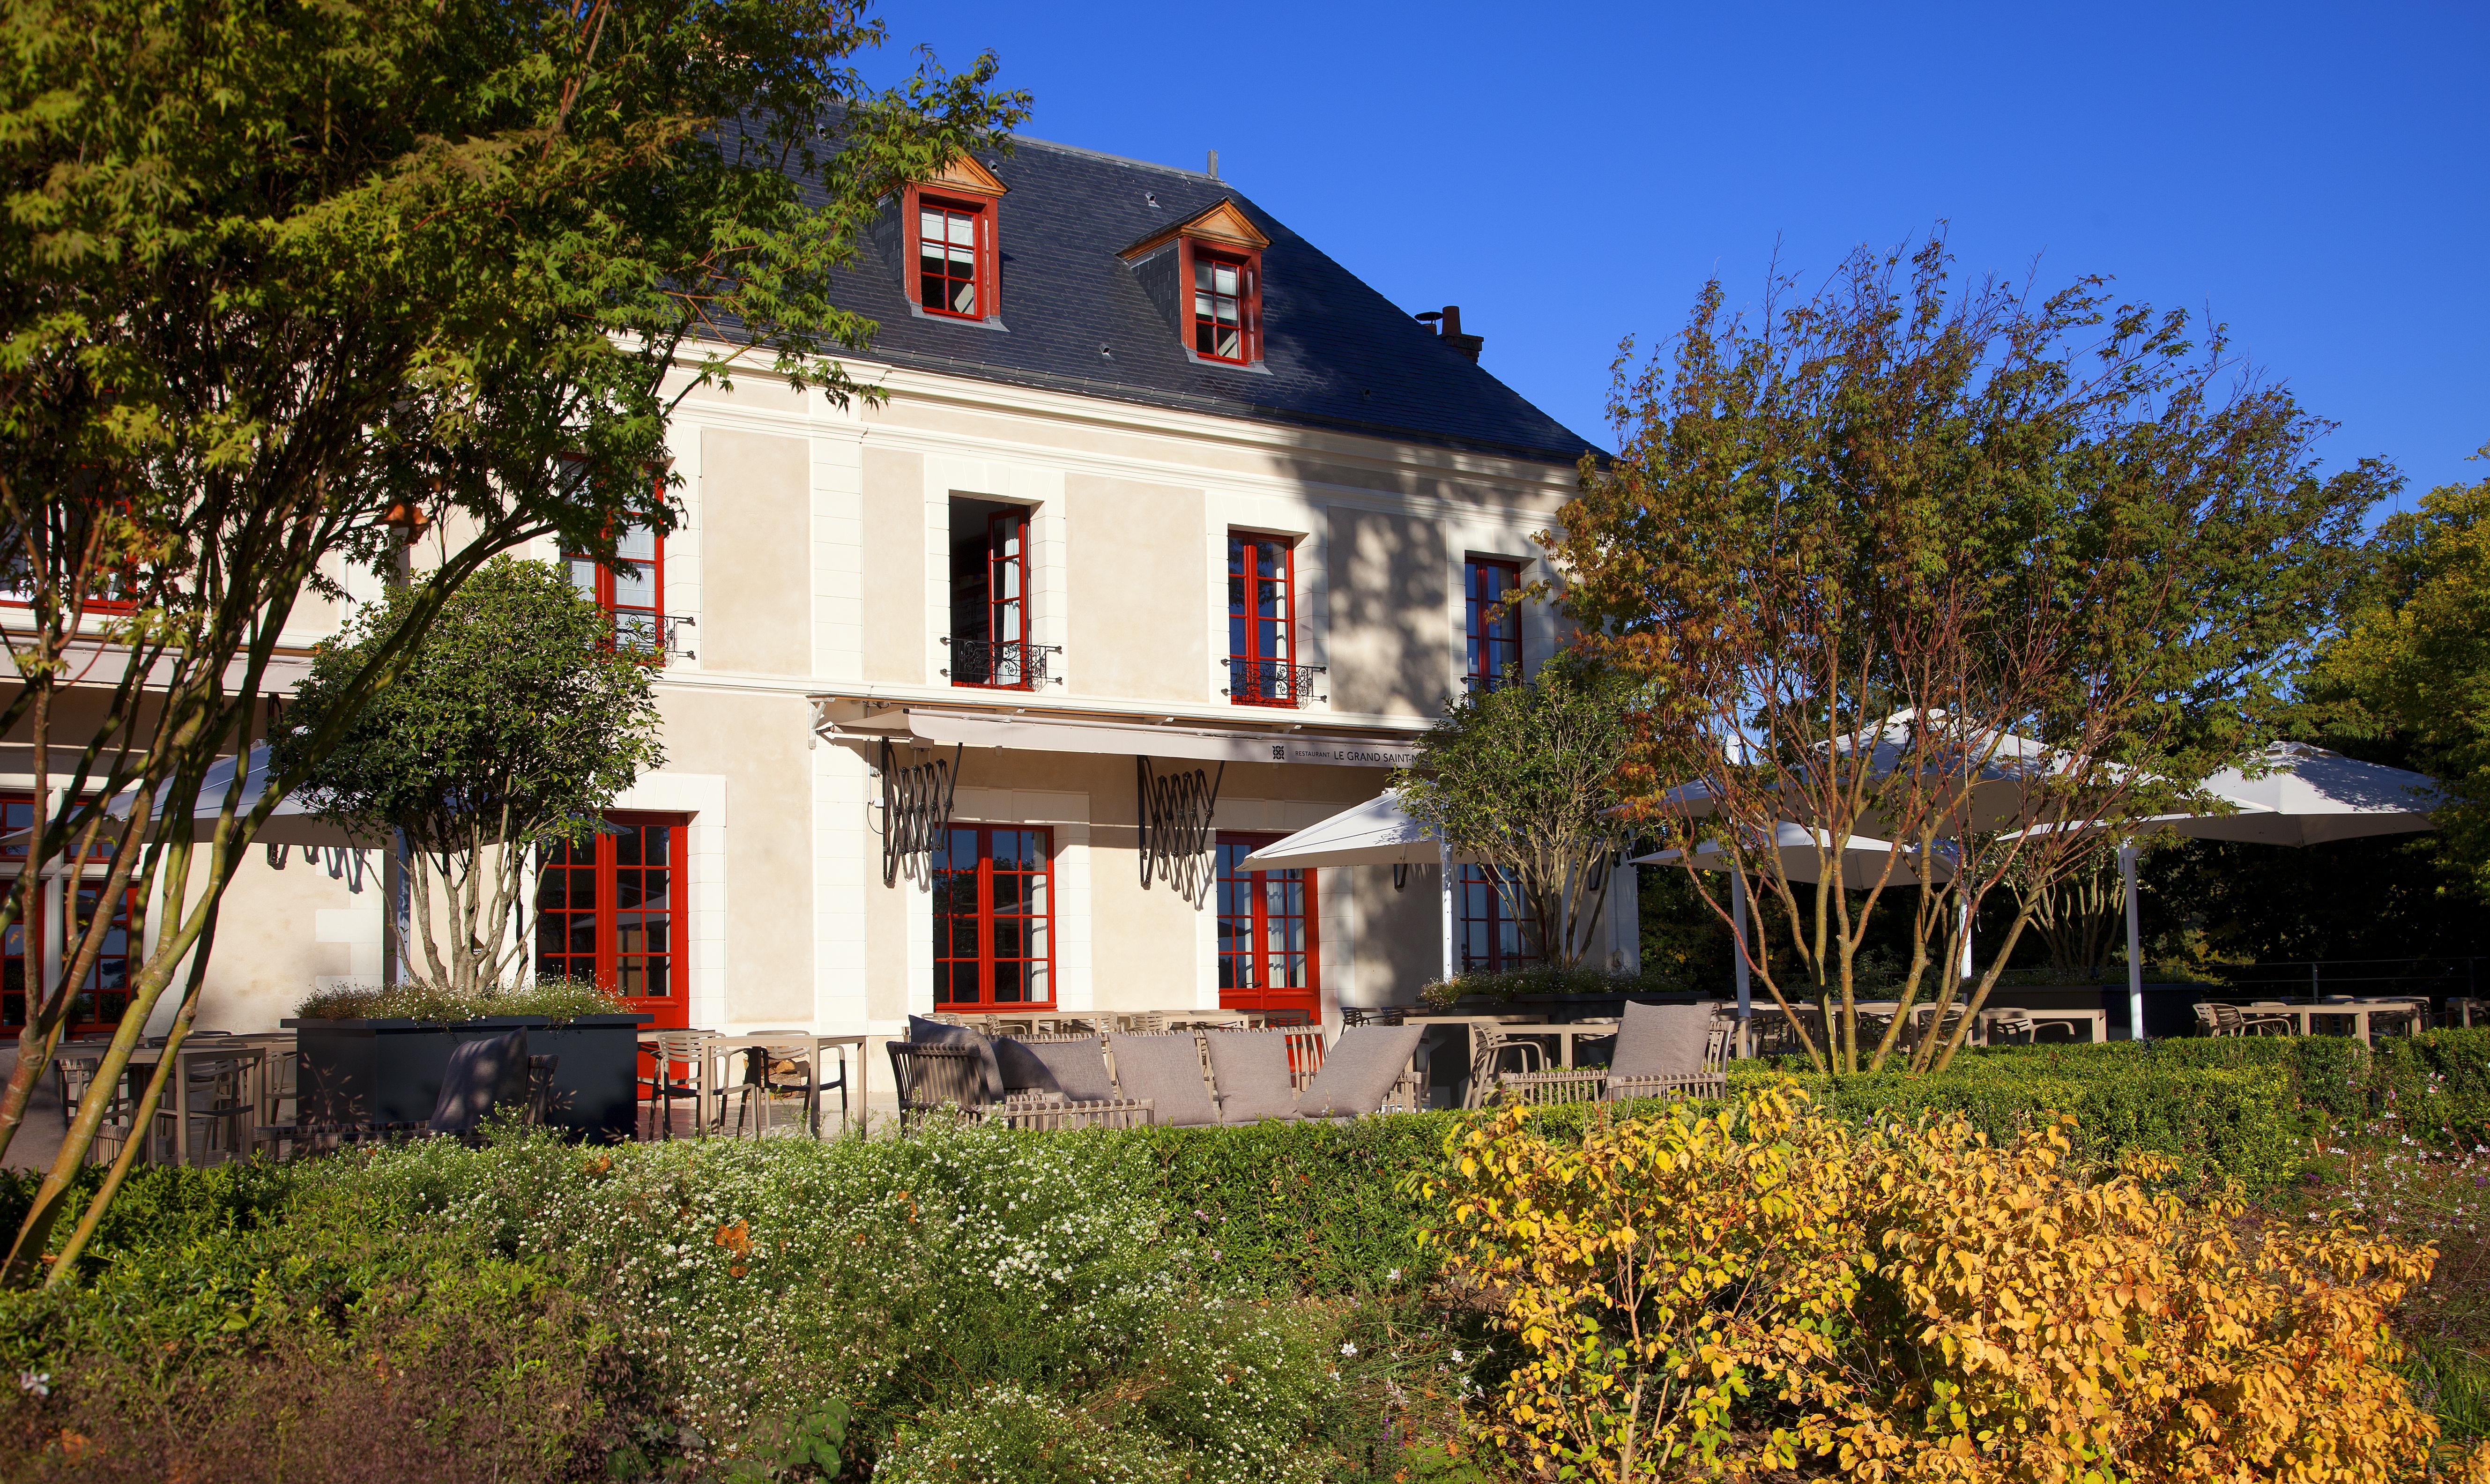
(19, 597)
(1200, 267)
(1257, 912)
(595, 919)
(1261, 647)
(107, 982)
(1007, 615)
(1491, 937)
(597, 579)
(991, 913)
(981, 278)
(1495, 644)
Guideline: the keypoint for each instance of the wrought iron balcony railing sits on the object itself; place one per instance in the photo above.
(1009, 664)
(1272, 683)
(1481, 685)
(655, 637)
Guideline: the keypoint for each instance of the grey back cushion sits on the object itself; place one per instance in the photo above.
(1165, 1069)
(482, 1073)
(1660, 1041)
(1358, 1070)
(1251, 1069)
(1021, 1068)
(920, 1030)
(1077, 1070)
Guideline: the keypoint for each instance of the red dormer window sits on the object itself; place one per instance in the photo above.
(1223, 307)
(955, 269)
(1205, 274)
(951, 256)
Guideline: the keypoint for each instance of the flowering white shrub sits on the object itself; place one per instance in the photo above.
(1009, 1434)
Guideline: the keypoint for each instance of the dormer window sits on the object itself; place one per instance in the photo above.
(1206, 275)
(946, 235)
(1223, 300)
(950, 257)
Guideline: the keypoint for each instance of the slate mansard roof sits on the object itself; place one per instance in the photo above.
(1336, 353)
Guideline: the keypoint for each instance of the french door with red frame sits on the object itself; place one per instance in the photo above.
(1495, 640)
(1269, 950)
(994, 919)
(1262, 621)
(609, 909)
(105, 995)
(994, 650)
(635, 598)
(1492, 938)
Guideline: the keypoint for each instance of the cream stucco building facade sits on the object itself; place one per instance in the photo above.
(951, 676)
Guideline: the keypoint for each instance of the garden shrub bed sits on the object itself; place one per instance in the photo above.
(1043, 1303)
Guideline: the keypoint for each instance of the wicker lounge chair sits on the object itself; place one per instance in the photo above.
(1166, 1071)
(1368, 1070)
(1252, 1075)
(1666, 1051)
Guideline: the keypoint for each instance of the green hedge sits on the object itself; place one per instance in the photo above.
(1333, 1207)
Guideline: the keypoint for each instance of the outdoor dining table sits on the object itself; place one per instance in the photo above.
(252, 1064)
(2097, 1020)
(710, 1072)
(2359, 1011)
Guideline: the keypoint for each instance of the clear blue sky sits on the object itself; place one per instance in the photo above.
(2317, 176)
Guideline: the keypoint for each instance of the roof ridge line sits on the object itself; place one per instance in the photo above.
(1121, 160)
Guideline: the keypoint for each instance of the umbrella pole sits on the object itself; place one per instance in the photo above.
(1452, 943)
(2134, 952)
(1738, 922)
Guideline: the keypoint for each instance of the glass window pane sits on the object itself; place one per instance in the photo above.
(964, 231)
(1223, 280)
(964, 299)
(929, 224)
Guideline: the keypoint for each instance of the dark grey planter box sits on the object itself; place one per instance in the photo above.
(355, 1073)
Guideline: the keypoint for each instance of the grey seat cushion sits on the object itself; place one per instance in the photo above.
(1660, 1041)
(1250, 1069)
(1077, 1070)
(482, 1073)
(921, 1031)
(1165, 1069)
(1359, 1070)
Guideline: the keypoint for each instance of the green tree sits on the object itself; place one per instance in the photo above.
(2414, 662)
(515, 719)
(1982, 574)
(279, 284)
(1524, 775)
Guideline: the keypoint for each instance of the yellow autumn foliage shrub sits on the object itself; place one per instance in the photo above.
(1760, 1286)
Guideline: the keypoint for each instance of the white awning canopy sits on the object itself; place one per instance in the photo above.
(947, 726)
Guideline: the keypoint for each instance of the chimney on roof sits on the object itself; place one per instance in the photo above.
(1449, 328)
(1214, 165)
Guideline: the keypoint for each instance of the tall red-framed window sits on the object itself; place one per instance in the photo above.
(636, 597)
(994, 918)
(990, 611)
(955, 256)
(1270, 950)
(105, 995)
(1493, 939)
(1227, 304)
(1494, 637)
(107, 592)
(609, 909)
(1262, 621)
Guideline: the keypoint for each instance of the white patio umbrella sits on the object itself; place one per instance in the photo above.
(291, 823)
(1800, 849)
(2313, 795)
(2308, 795)
(1375, 832)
